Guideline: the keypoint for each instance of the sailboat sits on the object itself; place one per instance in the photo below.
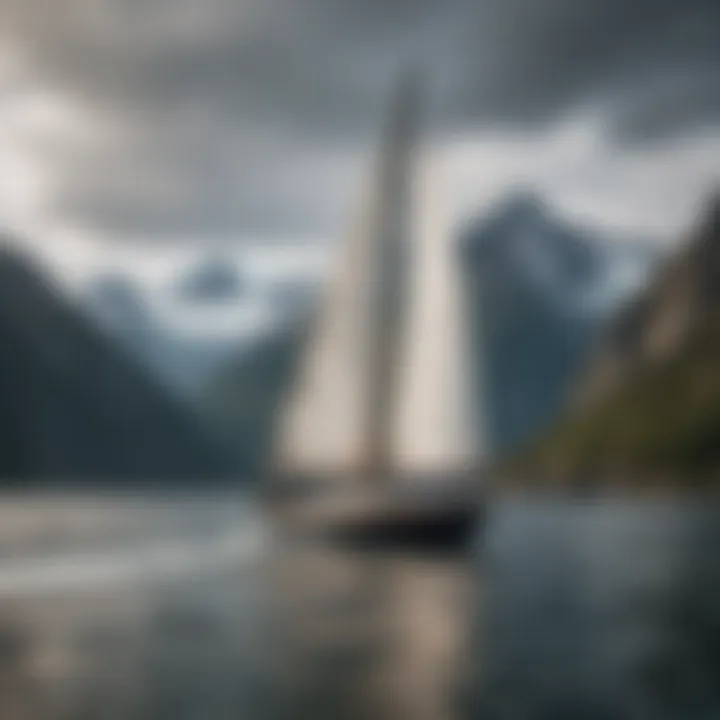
(378, 437)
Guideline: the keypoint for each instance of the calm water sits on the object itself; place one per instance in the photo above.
(136, 609)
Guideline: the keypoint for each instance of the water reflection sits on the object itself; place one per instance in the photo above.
(602, 611)
(599, 611)
(374, 635)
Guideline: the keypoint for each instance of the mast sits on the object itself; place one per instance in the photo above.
(392, 259)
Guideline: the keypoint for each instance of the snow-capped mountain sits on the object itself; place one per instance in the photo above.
(540, 289)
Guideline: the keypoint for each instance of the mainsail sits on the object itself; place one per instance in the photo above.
(382, 388)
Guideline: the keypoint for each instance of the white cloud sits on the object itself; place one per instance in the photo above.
(38, 128)
(652, 190)
(647, 190)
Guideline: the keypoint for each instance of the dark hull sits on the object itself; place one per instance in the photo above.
(441, 520)
(442, 529)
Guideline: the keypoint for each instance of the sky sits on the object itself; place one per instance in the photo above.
(136, 128)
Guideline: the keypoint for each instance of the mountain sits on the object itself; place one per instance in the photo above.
(241, 402)
(75, 406)
(539, 290)
(180, 362)
(123, 312)
(647, 410)
(657, 322)
(183, 356)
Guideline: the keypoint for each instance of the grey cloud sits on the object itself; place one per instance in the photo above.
(221, 100)
(311, 63)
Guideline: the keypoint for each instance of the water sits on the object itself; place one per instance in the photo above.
(136, 609)
(603, 611)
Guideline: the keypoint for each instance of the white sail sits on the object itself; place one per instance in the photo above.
(382, 387)
(322, 429)
(435, 429)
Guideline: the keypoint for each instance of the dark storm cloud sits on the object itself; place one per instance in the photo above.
(622, 53)
(211, 107)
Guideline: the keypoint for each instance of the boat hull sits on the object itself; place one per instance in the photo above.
(440, 518)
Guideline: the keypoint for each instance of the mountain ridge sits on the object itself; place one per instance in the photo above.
(76, 406)
(647, 410)
(539, 290)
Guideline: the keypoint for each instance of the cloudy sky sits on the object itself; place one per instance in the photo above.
(148, 124)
